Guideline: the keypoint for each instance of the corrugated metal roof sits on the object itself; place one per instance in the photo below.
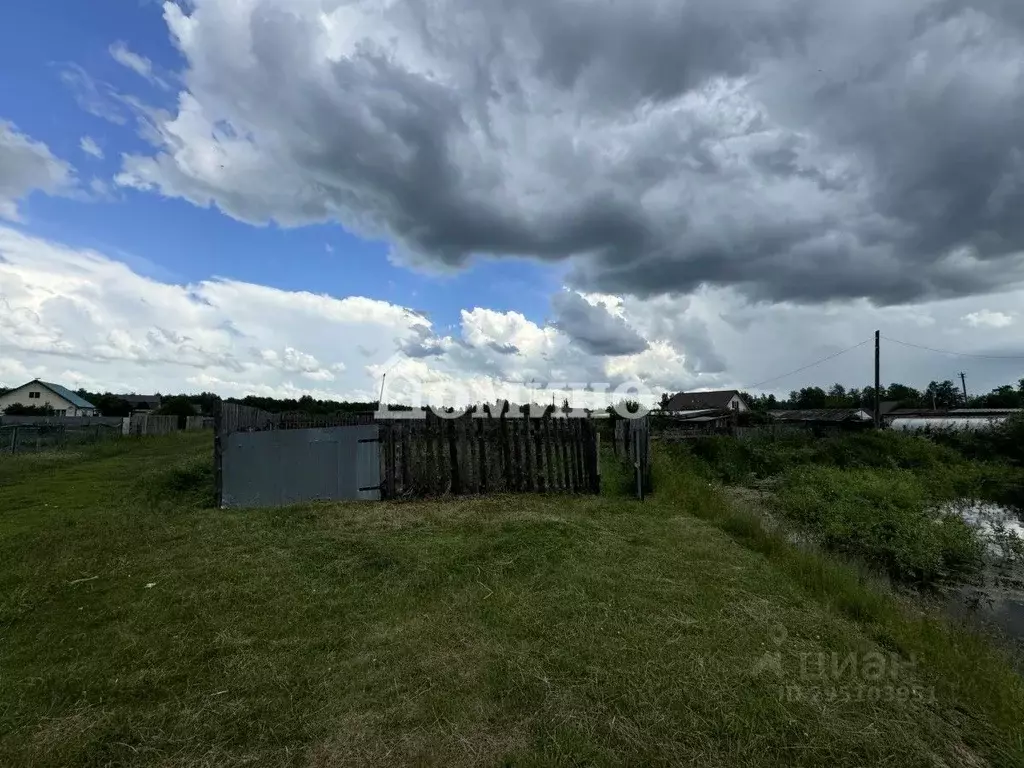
(685, 401)
(67, 394)
(688, 414)
(822, 414)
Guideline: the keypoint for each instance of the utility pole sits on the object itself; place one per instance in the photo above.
(963, 383)
(878, 379)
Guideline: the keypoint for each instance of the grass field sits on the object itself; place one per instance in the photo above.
(138, 627)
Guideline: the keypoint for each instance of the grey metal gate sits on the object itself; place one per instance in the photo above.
(290, 466)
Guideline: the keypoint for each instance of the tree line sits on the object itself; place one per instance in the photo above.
(938, 394)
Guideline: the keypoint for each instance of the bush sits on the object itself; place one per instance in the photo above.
(187, 484)
(738, 461)
(886, 516)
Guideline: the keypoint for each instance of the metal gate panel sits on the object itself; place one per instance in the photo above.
(291, 466)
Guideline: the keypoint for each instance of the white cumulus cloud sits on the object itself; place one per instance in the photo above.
(27, 165)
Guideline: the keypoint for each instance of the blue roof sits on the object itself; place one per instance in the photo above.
(68, 395)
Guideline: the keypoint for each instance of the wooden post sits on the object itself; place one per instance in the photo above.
(538, 453)
(506, 458)
(406, 460)
(14, 438)
(552, 483)
(218, 454)
(392, 462)
(563, 445)
(453, 458)
(528, 463)
(481, 450)
(517, 453)
(443, 467)
(577, 433)
(429, 469)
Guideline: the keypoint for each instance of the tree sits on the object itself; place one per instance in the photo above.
(29, 410)
(809, 398)
(665, 397)
(837, 397)
(943, 394)
(111, 405)
(1000, 397)
(901, 393)
(177, 406)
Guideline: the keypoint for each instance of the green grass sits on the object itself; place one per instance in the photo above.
(887, 517)
(139, 627)
(873, 495)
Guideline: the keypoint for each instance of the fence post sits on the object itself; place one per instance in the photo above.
(563, 440)
(453, 458)
(637, 467)
(218, 455)
(482, 451)
(538, 454)
(506, 458)
(581, 470)
(391, 463)
(14, 439)
(406, 460)
(528, 459)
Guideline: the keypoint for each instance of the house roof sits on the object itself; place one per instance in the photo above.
(822, 414)
(67, 394)
(687, 415)
(151, 400)
(691, 401)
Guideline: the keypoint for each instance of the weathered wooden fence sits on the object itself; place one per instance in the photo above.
(477, 454)
(435, 456)
(150, 424)
(633, 444)
(27, 438)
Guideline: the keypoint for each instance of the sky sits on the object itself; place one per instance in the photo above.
(290, 197)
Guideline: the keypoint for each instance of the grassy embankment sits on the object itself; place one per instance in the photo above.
(874, 495)
(139, 627)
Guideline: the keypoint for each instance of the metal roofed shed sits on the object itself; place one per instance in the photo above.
(823, 416)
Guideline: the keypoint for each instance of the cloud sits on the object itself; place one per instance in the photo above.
(985, 318)
(79, 316)
(95, 97)
(139, 64)
(88, 145)
(27, 165)
(594, 327)
(787, 149)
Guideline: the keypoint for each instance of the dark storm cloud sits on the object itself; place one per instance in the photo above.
(792, 149)
(594, 328)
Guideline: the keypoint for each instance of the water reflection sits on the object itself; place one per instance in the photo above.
(997, 597)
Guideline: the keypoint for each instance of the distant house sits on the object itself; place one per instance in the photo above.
(721, 400)
(43, 394)
(823, 416)
(142, 403)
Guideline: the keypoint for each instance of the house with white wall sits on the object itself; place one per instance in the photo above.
(723, 400)
(42, 394)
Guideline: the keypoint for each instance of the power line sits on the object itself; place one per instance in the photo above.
(810, 365)
(958, 354)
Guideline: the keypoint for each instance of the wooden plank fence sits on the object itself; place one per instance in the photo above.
(632, 443)
(435, 456)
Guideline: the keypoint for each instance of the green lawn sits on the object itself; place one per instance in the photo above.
(138, 627)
